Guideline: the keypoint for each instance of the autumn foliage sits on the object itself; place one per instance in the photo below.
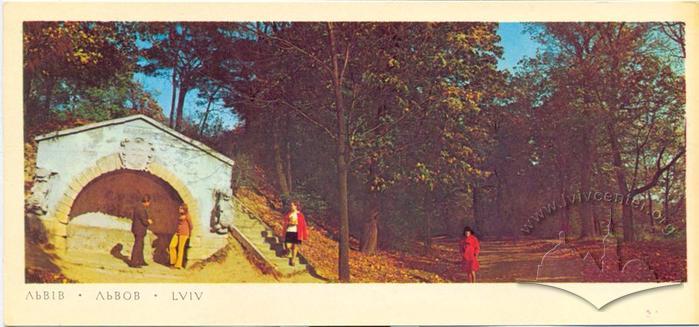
(395, 136)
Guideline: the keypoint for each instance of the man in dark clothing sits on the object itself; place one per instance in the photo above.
(139, 227)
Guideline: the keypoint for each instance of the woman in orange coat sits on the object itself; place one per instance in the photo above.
(184, 230)
(470, 248)
(295, 231)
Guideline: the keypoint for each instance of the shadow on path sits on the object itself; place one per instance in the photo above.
(116, 252)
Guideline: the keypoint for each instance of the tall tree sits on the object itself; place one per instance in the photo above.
(72, 55)
(618, 78)
(375, 105)
(190, 52)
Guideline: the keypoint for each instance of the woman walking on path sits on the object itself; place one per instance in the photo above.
(470, 248)
(295, 231)
(184, 230)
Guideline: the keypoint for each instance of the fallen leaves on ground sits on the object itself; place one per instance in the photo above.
(501, 261)
(666, 258)
(34, 275)
(321, 251)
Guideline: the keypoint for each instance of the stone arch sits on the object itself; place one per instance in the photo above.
(112, 163)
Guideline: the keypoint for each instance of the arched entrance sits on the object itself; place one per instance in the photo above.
(98, 205)
(116, 193)
(197, 173)
(108, 202)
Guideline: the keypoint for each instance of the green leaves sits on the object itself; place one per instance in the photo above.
(68, 62)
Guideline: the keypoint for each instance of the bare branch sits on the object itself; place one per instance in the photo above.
(310, 119)
(344, 66)
(659, 171)
(291, 45)
(675, 31)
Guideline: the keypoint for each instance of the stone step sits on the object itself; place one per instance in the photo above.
(262, 245)
(257, 231)
(251, 228)
(246, 222)
(268, 246)
(283, 261)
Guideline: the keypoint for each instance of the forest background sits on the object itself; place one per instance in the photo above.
(393, 135)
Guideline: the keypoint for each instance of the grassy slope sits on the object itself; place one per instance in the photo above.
(321, 250)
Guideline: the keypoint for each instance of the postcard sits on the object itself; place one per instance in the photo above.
(338, 163)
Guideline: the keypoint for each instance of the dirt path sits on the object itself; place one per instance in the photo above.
(501, 261)
(92, 267)
(505, 261)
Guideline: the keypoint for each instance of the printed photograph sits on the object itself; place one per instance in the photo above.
(354, 152)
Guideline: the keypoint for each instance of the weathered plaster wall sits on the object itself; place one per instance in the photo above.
(80, 157)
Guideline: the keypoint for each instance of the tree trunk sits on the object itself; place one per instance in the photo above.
(279, 164)
(650, 208)
(631, 215)
(653, 182)
(342, 172)
(516, 224)
(666, 202)
(498, 207)
(611, 218)
(627, 222)
(206, 115)
(370, 234)
(342, 161)
(288, 153)
(596, 222)
(29, 103)
(48, 92)
(427, 223)
(586, 218)
(180, 107)
(27, 89)
(474, 207)
(626, 216)
(564, 219)
(172, 99)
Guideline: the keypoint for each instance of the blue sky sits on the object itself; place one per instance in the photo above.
(515, 42)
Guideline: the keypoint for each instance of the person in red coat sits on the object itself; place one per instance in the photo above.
(295, 231)
(470, 249)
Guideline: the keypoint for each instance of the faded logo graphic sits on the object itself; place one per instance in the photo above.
(563, 263)
(580, 197)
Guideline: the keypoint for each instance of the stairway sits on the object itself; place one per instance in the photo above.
(260, 240)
